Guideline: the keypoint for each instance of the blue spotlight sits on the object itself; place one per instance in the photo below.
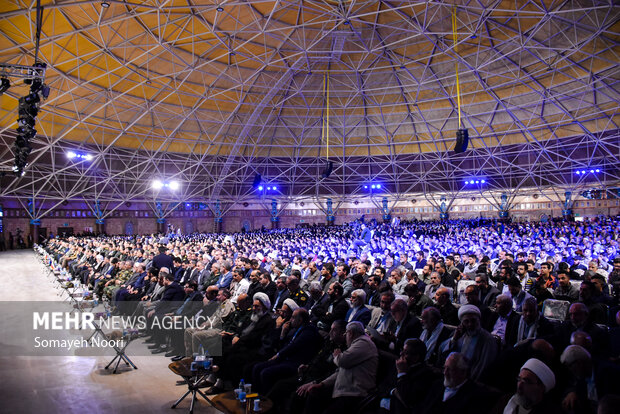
(275, 188)
(577, 172)
(373, 186)
(260, 188)
(483, 181)
(597, 170)
(477, 182)
(591, 171)
(268, 188)
(378, 185)
(583, 171)
(366, 187)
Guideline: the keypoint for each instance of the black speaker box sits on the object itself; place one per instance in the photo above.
(462, 140)
(328, 169)
(257, 180)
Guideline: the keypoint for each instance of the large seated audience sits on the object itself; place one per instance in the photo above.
(462, 316)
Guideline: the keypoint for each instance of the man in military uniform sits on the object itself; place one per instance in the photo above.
(113, 285)
(295, 292)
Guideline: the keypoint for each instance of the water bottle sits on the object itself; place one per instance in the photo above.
(242, 390)
(95, 302)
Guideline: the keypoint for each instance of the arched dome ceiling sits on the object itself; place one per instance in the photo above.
(239, 87)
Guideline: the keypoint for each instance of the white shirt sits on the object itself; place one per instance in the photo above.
(238, 289)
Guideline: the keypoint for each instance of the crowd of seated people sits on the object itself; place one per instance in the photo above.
(485, 317)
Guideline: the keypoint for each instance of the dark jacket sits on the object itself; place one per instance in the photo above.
(449, 314)
(471, 398)
(512, 327)
(162, 260)
(410, 328)
(173, 294)
(411, 389)
(445, 334)
(339, 310)
(303, 346)
(362, 315)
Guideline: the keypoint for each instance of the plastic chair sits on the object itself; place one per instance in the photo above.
(555, 309)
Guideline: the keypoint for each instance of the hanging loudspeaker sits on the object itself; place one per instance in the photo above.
(462, 139)
(328, 169)
(257, 180)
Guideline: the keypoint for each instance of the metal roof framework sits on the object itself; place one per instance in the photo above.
(178, 90)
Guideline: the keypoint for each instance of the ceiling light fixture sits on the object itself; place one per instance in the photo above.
(220, 8)
(105, 4)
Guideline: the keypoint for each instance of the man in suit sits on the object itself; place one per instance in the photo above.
(281, 293)
(532, 324)
(191, 273)
(381, 318)
(267, 286)
(177, 270)
(226, 277)
(173, 294)
(358, 312)
(505, 322)
(458, 393)
(448, 311)
(518, 294)
(414, 379)
(255, 285)
(202, 276)
(192, 304)
(337, 307)
(300, 349)
(434, 285)
(434, 334)
(487, 293)
(404, 327)
(162, 259)
(579, 320)
(317, 304)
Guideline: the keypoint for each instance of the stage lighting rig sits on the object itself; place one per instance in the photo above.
(5, 84)
(28, 109)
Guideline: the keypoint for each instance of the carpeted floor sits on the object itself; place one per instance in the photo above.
(76, 384)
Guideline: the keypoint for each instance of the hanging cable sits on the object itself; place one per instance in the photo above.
(329, 166)
(456, 64)
(326, 119)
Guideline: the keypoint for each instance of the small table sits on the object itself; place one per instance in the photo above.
(228, 403)
(193, 380)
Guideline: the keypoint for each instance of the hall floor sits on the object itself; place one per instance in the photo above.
(77, 384)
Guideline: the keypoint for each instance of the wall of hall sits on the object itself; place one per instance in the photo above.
(140, 219)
